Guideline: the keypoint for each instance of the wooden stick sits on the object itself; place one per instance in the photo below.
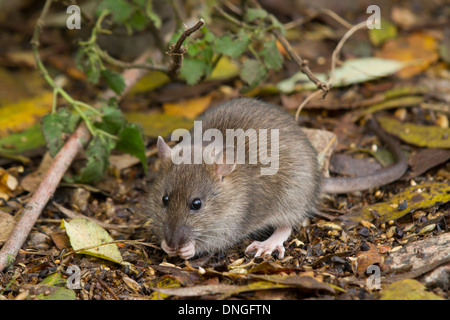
(177, 50)
(47, 187)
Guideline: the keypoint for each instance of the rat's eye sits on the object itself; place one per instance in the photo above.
(165, 200)
(196, 204)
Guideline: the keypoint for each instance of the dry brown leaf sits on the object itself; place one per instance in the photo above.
(7, 223)
(367, 258)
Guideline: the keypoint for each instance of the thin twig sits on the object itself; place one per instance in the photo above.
(303, 64)
(336, 51)
(304, 102)
(177, 50)
(128, 65)
(334, 56)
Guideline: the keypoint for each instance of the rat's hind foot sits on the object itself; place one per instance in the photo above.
(271, 244)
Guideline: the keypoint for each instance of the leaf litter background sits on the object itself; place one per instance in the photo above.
(401, 227)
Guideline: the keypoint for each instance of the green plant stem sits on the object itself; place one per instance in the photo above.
(126, 65)
(255, 54)
(88, 122)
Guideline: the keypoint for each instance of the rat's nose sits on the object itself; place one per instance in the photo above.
(176, 236)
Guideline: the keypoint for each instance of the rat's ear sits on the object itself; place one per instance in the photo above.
(222, 168)
(164, 151)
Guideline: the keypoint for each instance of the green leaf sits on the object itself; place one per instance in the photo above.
(114, 80)
(253, 72)
(253, 14)
(54, 281)
(113, 119)
(120, 9)
(97, 154)
(89, 61)
(387, 31)
(131, 141)
(138, 20)
(84, 233)
(272, 57)
(192, 70)
(56, 127)
(233, 48)
(93, 74)
(61, 294)
(17, 143)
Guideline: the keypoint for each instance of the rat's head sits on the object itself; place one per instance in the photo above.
(194, 206)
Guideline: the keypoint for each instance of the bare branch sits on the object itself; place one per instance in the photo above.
(177, 50)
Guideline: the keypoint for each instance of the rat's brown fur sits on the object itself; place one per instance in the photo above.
(244, 201)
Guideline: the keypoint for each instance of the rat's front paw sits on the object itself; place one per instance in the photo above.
(266, 247)
(171, 252)
(185, 252)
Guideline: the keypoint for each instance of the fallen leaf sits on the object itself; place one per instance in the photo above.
(298, 281)
(422, 136)
(198, 290)
(32, 180)
(190, 108)
(155, 125)
(8, 183)
(351, 72)
(60, 239)
(426, 159)
(387, 31)
(23, 114)
(406, 101)
(367, 258)
(165, 283)
(17, 143)
(54, 281)
(86, 234)
(182, 276)
(418, 49)
(7, 224)
(151, 81)
(408, 289)
(225, 69)
(417, 197)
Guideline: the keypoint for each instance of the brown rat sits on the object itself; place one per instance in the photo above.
(206, 208)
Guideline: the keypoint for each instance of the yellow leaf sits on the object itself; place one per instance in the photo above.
(422, 136)
(225, 69)
(408, 289)
(85, 234)
(419, 48)
(188, 108)
(23, 114)
(151, 81)
(157, 124)
(424, 195)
